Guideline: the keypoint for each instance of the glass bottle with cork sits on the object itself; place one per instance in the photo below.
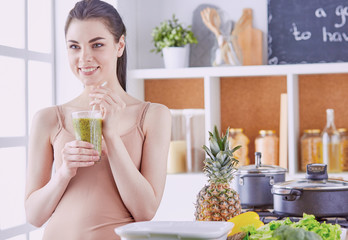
(237, 137)
(310, 148)
(331, 144)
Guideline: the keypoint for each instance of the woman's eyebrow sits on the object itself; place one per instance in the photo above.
(90, 41)
(73, 41)
(95, 39)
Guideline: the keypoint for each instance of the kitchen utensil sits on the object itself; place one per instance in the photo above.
(316, 194)
(212, 20)
(183, 230)
(248, 39)
(254, 183)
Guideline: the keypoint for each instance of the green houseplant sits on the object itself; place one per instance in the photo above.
(171, 36)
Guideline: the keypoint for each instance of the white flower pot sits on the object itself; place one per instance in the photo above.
(176, 57)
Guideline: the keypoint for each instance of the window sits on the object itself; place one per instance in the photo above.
(26, 85)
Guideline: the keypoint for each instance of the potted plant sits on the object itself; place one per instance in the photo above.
(172, 40)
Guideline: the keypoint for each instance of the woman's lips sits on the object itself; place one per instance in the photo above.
(88, 70)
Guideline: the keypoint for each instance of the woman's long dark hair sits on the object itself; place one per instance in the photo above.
(87, 9)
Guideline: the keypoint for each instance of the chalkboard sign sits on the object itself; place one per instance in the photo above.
(307, 31)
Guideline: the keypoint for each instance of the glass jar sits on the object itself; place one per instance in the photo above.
(310, 148)
(330, 139)
(267, 142)
(344, 147)
(237, 137)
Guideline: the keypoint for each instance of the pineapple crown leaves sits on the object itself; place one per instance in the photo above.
(220, 165)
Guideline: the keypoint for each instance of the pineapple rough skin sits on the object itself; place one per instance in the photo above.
(218, 201)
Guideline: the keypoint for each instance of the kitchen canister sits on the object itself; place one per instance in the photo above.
(310, 147)
(267, 142)
(237, 137)
(185, 151)
(344, 147)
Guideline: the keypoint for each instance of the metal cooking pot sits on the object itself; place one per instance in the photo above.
(316, 194)
(254, 183)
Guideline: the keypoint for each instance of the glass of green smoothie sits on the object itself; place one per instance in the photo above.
(88, 127)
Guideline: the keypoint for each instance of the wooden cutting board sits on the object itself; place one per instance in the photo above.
(249, 39)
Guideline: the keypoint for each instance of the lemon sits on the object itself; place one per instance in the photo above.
(245, 219)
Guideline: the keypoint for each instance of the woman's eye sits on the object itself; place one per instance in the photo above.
(97, 45)
(73, 46)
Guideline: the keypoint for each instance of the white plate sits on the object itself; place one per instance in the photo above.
(183, 230)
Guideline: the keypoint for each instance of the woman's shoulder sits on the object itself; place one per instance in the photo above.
(46, 117)
(47, 112)
(158, 109)
(157, 114)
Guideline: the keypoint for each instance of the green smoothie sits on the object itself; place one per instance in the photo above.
(89, 129)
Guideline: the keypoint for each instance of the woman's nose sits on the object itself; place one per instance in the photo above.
(85, 55)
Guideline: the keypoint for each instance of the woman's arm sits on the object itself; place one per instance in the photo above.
(44, 192)
(142, 191)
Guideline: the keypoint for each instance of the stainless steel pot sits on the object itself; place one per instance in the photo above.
(254, 183)
(316, 194)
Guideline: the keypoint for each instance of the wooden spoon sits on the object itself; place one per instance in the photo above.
(212, 20)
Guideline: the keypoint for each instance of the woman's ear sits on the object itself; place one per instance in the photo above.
(120, 46)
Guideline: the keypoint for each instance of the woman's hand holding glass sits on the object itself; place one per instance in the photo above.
(77, 154)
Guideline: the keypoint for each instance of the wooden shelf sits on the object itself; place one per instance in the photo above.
(239, 71)
(249, 96)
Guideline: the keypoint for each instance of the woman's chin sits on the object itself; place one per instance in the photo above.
(90, 83)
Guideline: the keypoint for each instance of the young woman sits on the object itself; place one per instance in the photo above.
(85, 199)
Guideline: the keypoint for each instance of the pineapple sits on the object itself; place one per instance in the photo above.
(218, 201)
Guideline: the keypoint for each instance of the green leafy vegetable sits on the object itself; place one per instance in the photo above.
(308, 223)
(287, 232)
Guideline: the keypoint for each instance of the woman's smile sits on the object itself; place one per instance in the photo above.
(87, 71)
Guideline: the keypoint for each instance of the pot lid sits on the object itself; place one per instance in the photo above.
(259, 168)
(317, 185)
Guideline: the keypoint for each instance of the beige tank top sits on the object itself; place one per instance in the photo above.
(91, 207)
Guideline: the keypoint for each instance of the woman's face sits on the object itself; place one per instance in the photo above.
(92, 51)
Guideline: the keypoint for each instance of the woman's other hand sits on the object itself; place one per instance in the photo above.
(111, 106)
(77, 154)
